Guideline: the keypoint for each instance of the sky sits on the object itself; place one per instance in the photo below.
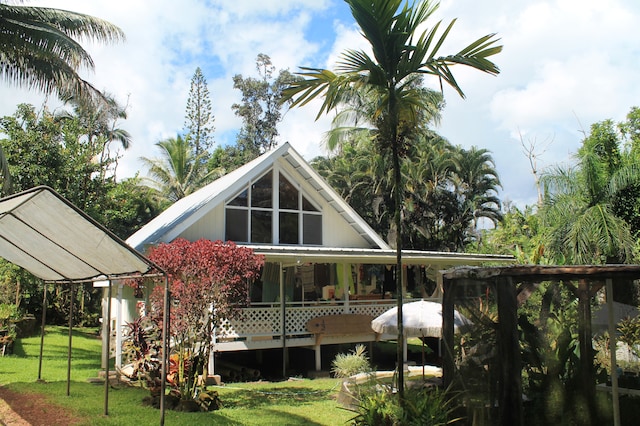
(565, 65)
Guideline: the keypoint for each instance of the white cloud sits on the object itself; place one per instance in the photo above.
(565, 65)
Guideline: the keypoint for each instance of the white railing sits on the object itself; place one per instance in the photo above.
(266, 321)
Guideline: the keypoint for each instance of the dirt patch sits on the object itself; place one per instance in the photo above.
(24, 409)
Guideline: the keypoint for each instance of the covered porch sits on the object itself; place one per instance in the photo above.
(315, 296)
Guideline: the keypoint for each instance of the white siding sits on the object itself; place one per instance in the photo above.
(338, 233)
(210, 226)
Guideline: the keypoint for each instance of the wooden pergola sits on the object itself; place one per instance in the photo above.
(513, 285)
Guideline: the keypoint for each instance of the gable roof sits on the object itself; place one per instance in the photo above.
(186, 211)
(54, 240)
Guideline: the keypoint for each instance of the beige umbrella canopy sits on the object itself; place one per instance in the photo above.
(419, 319)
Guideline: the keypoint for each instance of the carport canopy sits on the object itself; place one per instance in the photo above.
(57, 242)
(48, 236)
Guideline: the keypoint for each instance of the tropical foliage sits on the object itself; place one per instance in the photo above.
(441, 209)
(198, 118)
(176, 173)
(346, 365)
(429, 406)
(403, 52)
(579, 209)
(208, 280)
(182, 167)
(39, 48)
(260, 111)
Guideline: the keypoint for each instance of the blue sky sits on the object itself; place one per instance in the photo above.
(566, 64)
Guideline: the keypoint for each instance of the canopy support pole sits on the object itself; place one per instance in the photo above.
(165, 346)
(44, 317)
(71, 296)
(107, 344)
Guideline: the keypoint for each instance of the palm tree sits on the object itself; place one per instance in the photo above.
(176, 174)
(38, 48)
(401, 57)
(578, 209)
(99, 126)
(476, 185)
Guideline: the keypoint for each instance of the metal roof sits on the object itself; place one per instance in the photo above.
(185, 212)
(305, 254)
(47, 235)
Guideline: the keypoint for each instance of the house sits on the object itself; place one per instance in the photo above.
(326, 273)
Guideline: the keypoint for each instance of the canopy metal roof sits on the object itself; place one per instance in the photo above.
(54, 240)
(57, 242)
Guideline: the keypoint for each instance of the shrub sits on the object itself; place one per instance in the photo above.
(430, 406)
(346, 365)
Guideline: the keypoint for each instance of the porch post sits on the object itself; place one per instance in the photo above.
(586, 347)
(346, 270)
(283, 321)
(318, 352)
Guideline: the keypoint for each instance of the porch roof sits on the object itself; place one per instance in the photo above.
(291, 255)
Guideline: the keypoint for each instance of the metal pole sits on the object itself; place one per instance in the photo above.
(71, 296)
(165, 346)
(44, 315)
(107, 343)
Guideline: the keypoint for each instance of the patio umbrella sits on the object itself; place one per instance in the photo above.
(420, 319)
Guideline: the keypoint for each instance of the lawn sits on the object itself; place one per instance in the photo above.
(293, 402)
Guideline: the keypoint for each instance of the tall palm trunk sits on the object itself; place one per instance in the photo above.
(397, 218)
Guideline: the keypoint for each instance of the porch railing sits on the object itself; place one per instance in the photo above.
(266, 320)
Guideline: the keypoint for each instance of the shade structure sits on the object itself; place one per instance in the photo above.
(419, 319)
(57, 242)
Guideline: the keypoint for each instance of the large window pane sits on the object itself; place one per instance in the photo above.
(261, 226)
(261, 192)
(289, 228)
(288, 195)
(312, 229)
(236, 223)
(241, 200)
(307, 206)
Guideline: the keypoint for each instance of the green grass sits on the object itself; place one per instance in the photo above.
(310, 402)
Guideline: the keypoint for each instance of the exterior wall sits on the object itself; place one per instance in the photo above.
(210, 226)
(338, 233)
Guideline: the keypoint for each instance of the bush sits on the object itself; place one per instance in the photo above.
(422, 407)
(347, 365)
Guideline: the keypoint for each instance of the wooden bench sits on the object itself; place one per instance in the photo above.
(339, 325)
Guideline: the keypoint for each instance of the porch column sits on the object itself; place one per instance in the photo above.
(283, 320)
(106, 325)
(118, 359)
(586, 346)
(346, 289)
(318, 352)
(613, 346)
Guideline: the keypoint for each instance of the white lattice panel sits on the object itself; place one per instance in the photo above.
(267, 321)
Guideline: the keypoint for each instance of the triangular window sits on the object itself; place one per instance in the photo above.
(257, 214)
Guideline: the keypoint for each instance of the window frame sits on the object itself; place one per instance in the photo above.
(276, 211)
